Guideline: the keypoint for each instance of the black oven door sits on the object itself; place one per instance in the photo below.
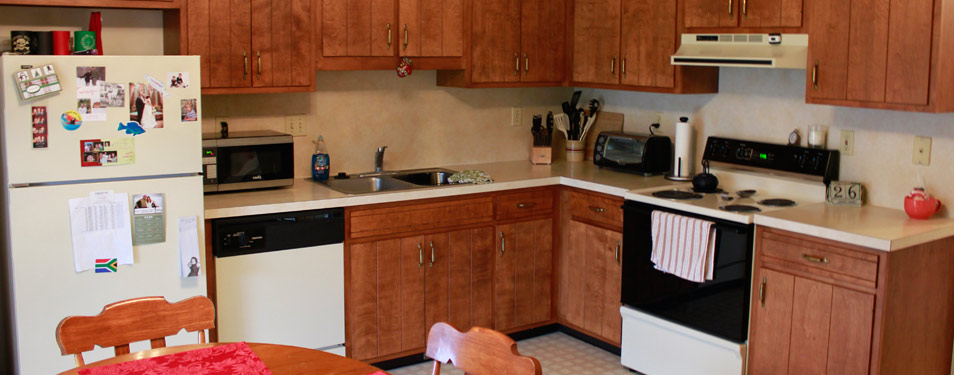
(719, 307)
(252, 164)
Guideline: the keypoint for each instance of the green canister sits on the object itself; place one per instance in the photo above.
(84, 41)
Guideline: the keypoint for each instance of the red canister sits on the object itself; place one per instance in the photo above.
(61, 42)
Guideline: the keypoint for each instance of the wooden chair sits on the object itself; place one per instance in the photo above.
(480, 351)
(132, 320)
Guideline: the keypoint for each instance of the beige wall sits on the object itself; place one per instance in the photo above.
(125, 32)
(766, 105)
(423, 125)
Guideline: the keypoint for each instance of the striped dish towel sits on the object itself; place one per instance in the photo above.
(683, 246)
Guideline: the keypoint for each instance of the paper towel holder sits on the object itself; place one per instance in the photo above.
(682, 161)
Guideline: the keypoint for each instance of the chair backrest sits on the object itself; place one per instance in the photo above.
(133, 320)
(480, 351)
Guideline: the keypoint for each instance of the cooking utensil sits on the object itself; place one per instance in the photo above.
(745, 193)
(549, 140)
(705, 182)
(562, 122)
(576, 98)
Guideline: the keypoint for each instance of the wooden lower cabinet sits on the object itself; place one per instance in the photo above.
(523, 274)
(824, 307)
(591, 297)
(401, 287)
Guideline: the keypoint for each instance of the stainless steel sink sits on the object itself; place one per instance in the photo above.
(391, 181)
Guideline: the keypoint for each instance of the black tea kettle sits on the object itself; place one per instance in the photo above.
(705, 182)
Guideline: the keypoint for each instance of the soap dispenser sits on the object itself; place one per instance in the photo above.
(320, 162)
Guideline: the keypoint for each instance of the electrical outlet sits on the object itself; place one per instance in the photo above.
(847, 145)
(516, 114)
(295, 125)
(922, 150)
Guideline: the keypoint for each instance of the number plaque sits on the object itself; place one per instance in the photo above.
(843, 193)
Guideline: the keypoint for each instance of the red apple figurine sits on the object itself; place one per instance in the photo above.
(920, 205)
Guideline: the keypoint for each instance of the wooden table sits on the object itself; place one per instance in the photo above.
(280, 359)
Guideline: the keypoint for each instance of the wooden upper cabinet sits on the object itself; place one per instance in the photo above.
(495, 48)
(648, 41)
(828, 49)
(712, 13)
(358, 28)
(251, 46)
(543, 40)
(431, 28)
(770, 13)
(596, 41)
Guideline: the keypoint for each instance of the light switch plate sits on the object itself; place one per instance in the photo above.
(295, 125)
(847, 144)
(922, 150)
(515, 115)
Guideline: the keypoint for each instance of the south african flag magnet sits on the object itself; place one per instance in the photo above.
(106, 265)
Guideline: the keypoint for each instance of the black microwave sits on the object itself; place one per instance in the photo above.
(247, 160)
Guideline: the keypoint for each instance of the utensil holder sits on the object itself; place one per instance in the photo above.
(575, 151)
(541, 155)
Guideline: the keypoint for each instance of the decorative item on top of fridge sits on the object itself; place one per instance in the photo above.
(574, 122)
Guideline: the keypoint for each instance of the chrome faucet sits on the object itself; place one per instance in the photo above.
(379, 159)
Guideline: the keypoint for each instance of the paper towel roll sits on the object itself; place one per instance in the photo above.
(682, 160)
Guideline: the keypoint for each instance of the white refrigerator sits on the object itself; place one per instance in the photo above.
(38, 183)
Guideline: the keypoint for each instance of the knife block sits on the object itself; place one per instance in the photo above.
(540, 154)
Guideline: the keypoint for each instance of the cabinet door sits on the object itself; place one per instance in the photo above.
(523, 274)
(613, 259)
(811, 319)
(470, 278)
(909, 51)
(596, 38)
(358, 27)
(649, 40)
(437, 267)
(712, 13)
(432, 28)
(495, 38)
(771, 13)
(543, 40)
(375, 299)
(574, 285)
(413, 268)
(504, 278)
(828, 49)
(281, 41)
(867, 49)
(771, 330)
(849, 347)
(595, 265)
(219, 31)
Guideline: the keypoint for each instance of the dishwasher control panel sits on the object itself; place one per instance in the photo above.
(274, 232)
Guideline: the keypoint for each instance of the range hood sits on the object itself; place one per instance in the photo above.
(787, 51)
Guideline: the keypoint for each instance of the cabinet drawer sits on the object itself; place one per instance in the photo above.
(602, 210)
(426, 216)
(824, 258)
(517, 205)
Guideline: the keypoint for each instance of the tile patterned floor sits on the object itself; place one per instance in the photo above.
(559, 354)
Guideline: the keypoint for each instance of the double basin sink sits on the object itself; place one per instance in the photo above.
(391, 181)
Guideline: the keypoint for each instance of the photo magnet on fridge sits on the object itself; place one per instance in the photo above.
(89, 76)
(39, 127)
(107, 152)
(188, 110)
(112, 94)
(178, 80)
(37, 82)
(71, 120)
(145, 105)
(149, 219)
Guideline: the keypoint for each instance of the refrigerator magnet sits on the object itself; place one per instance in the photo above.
(145, 105)
(71, 120)
(107, 152)
(112, 94)
(149, 219)
(156, 84)
(133, 128)
(188, 110)
(39, 127)
(36, 82)
(178, 80)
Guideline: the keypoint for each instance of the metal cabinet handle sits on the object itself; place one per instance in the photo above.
(613, 66)
(815, 76)
(618, 245)
(432, 253)
(730, 8)
(420, 256)
(526, 63)
(245, 66)
(762, 291)
(503, 244)
(623, 67)
(815, 259)
(259, 55)
(406, 38)
(389, 35)
(516, 58)
(598, 210)
(744, 12)
(526, 205)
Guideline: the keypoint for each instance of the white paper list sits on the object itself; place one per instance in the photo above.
(100, 229)
(189, 247)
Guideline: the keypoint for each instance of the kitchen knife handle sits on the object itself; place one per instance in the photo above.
(730, 8)
(259, 55)
(526, 63)
(598, 210)
(389, 35)
(815, 76)
(406, 38)
(526, 205)
(812, 258)
(762, 291)
(432, 253)
(503, 244)
(618, 245)
(613, 66)
(516, 69)
(420, 256)
(245, 66)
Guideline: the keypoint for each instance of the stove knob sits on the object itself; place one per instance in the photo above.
(740, 154)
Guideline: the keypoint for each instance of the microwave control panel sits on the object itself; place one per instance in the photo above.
(209, 173)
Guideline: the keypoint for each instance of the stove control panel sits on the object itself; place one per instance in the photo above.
(800, 161)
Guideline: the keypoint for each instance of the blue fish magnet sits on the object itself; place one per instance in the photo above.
(132, 127)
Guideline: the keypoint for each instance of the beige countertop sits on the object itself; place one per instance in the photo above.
(869, 226)
(308, 195)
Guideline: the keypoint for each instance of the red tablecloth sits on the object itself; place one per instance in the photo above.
(232, 359)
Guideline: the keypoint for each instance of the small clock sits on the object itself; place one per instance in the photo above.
(843, 193)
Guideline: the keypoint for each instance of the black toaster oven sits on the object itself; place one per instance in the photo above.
(639, 153)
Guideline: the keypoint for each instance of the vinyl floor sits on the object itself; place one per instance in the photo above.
(559, 354)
